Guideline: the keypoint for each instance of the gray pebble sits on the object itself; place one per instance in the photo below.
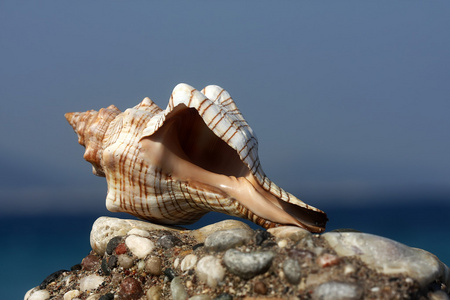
(247, 265)
(178, 290)
(226, 239)
(291, 269)
(334, 290)
(168, 241)
(112, 244)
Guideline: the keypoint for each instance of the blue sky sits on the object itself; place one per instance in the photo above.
(350, 100)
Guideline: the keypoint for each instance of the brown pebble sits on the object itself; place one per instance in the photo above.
(121, 249)
(91, 262)
(327, 260)
(130, 289)
(260, 288)
(154, 266)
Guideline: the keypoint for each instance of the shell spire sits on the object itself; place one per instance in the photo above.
(91, 127)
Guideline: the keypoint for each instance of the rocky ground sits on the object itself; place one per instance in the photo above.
(228, 260)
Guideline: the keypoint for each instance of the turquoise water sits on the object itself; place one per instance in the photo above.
(34, 247)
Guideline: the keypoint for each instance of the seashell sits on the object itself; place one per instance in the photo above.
(198, 155)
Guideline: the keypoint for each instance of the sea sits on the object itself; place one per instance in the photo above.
(33, 247)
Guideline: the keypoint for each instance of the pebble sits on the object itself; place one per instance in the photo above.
(139, 232)
(154, 293)
(334, 290)
(224, 296)
(96, 297)
(124, 261)
(327, 260)
(130, 289)
(292, 270)
(170, 274)
(107, 296)
(209, 269)
(188, 262)
(37, 295)
(388, 256)
(50, 278)
(261, 236)
(200, 297)
(121, 249)
(292, 233)
(153, 265)
(225, 239)
(105, 228)
(168, 241)
(260, 288)
(112, 244)
(91, 282)
(202, 233)
(139, 246)
(177, 289)
(247, 265)
(71, 294)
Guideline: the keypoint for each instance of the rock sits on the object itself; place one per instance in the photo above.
(178, 290)
(247, 265)
(139, 246)
(327, 259)
(153, 265)
(107, 296)
(284, 266)
(34, 294)
(130, 289)
(154, 293)
(292, 233)
(124, 261)
(210, 270)
(200, 297)
(168, 241)
(261, 236)
(388, 256)
(91, 262)
(50, 278)
(105, 228)
(225, 239)
(202, 233)
(112, 244)
(337, 291)
(260, 288)
(188, 262)
(292, 270)
(139, 232)
(90, 282)
(71, 294)
(170, 273)
(121, 249)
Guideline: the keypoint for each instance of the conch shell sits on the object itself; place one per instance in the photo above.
(198, 155)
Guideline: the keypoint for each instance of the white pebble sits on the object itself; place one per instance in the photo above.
(210, 270)
(176, 262)
(188, 262)
(349, 269)
(139, 246)
(90, 282)
(140, 232)
(124, 261)
(38, 295)
(141, 265)
(71, 294)
(282, 243)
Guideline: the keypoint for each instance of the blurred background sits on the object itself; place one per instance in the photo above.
(350, 102)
